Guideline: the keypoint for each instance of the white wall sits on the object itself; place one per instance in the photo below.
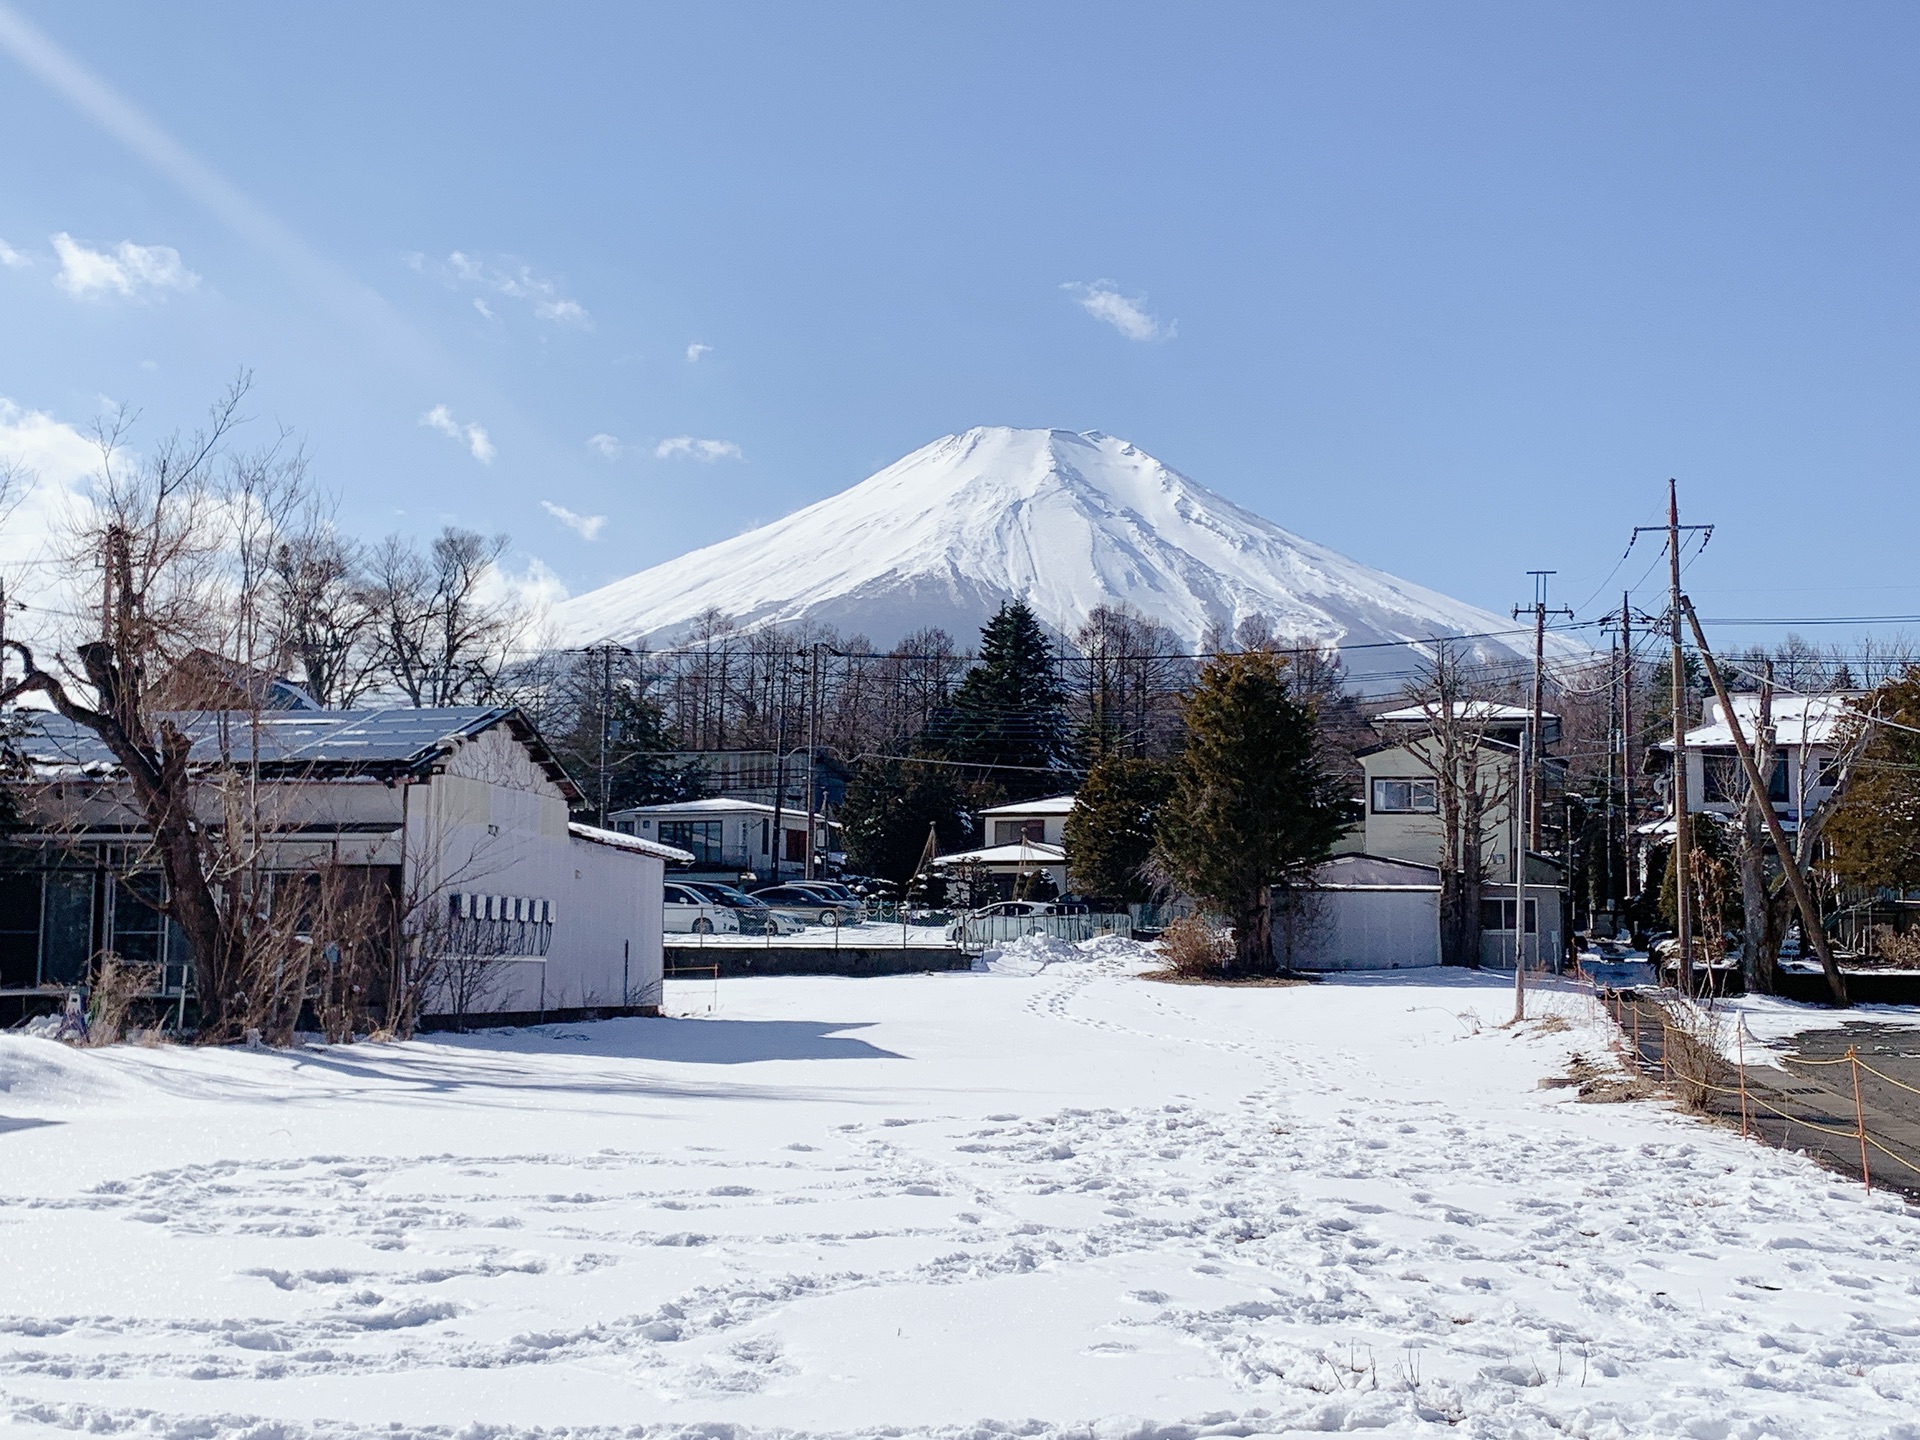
(493, 822)
(1371, 930)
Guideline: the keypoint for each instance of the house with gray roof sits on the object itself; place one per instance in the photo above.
(455, 820)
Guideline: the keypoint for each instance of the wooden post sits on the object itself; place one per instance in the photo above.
(1860, 1118)
(1740, 1039)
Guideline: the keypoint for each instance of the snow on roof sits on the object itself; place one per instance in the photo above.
(714, 805)
(614, 840)
(1374, 872)
(1797, 720)
(1026, 853)
(1468, 709)
(1053, 805)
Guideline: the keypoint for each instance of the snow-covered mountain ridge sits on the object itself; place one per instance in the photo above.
(1064, 521)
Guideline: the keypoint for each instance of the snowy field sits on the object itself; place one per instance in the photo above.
(1046, 1199)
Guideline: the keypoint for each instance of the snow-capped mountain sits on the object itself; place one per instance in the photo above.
(1064, 521)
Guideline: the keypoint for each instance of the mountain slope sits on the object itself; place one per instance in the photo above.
(1064, 521)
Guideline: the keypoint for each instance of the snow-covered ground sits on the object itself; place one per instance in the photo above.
(1081, 1202)
(872, 934)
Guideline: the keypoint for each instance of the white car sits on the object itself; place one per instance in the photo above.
(686, 909)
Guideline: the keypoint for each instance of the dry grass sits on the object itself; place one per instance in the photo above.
(115, 989)
(1196, 950)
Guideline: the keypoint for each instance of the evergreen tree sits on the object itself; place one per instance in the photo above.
(889, 805)
(1110, 832)
(641, 768)
(1009, 714)
(1874, 834)
(1252, 805)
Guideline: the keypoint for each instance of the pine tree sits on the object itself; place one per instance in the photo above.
(1009, 714)
(888, 808)
(1252, 805)
(1110, 832)
(1874, 834)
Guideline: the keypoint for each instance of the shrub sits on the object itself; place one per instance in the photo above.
(1196, 949)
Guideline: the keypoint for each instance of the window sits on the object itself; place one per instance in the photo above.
(1725, 780)
(1498, 915)
(20, 930)
(1777, 790)
(1830, 768)
(702, 837)
(1014, 832)
(1405, 797)
(796, 844)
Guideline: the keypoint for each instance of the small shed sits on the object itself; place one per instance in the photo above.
(1363, 912)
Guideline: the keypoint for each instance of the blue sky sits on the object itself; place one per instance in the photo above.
(1452, 289)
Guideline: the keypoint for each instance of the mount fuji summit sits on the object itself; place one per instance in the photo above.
(1064, 521)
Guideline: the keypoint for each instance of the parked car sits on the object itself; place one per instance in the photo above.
(815, 905)
(756, 917)
(838, 893)
(686, 909)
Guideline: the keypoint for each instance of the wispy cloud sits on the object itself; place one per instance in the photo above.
(13, 259)
(705, 451)
(131, 271)
(514, 280)
(474, 437)
(587, 527)
(1126, 313)
(609, 446)
(696, 350)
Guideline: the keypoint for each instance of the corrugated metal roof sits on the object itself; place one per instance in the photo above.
(615, 840)
(394, 738)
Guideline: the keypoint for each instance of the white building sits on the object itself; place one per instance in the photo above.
(729, 838)
(1808, 731)
(1021, 841)
(454, 820)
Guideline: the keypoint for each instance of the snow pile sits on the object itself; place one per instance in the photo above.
(1081, 1205)
(1032, 954)
(1064, 521)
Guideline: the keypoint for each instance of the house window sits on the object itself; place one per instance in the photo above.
(796, 844)
(1015, 832)
(702, 837)
(1725, 780)
(1405, 797)
(20, 930)
(1498, 915)
(1830, 768)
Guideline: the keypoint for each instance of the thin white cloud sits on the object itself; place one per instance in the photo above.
(130, 271)
(474, 437)
(609, 446)
(1126, 313)
(587, 527)
(517, 282)
(705, 451)
(13, 259)
(696, 350)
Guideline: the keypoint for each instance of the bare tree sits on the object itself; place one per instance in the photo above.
(180, 539)
(319, 608)
(442, 632)
(1453, 741)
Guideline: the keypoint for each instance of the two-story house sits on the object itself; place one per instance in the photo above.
(1021, 840)
(1402, 824)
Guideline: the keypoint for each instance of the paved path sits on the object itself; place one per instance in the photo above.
(1801, 1107)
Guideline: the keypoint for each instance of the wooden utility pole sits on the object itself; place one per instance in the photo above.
(1789, 866)
(1677, 691)
(1626, 742)
(606, 654)
(1540, 612)
(813, 738)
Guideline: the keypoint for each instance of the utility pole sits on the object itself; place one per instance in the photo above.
(1630, 879)
(813, 732)
(606, 654)
(1677, 691)
(1540, 613)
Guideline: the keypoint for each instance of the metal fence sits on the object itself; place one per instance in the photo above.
(982, 932)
